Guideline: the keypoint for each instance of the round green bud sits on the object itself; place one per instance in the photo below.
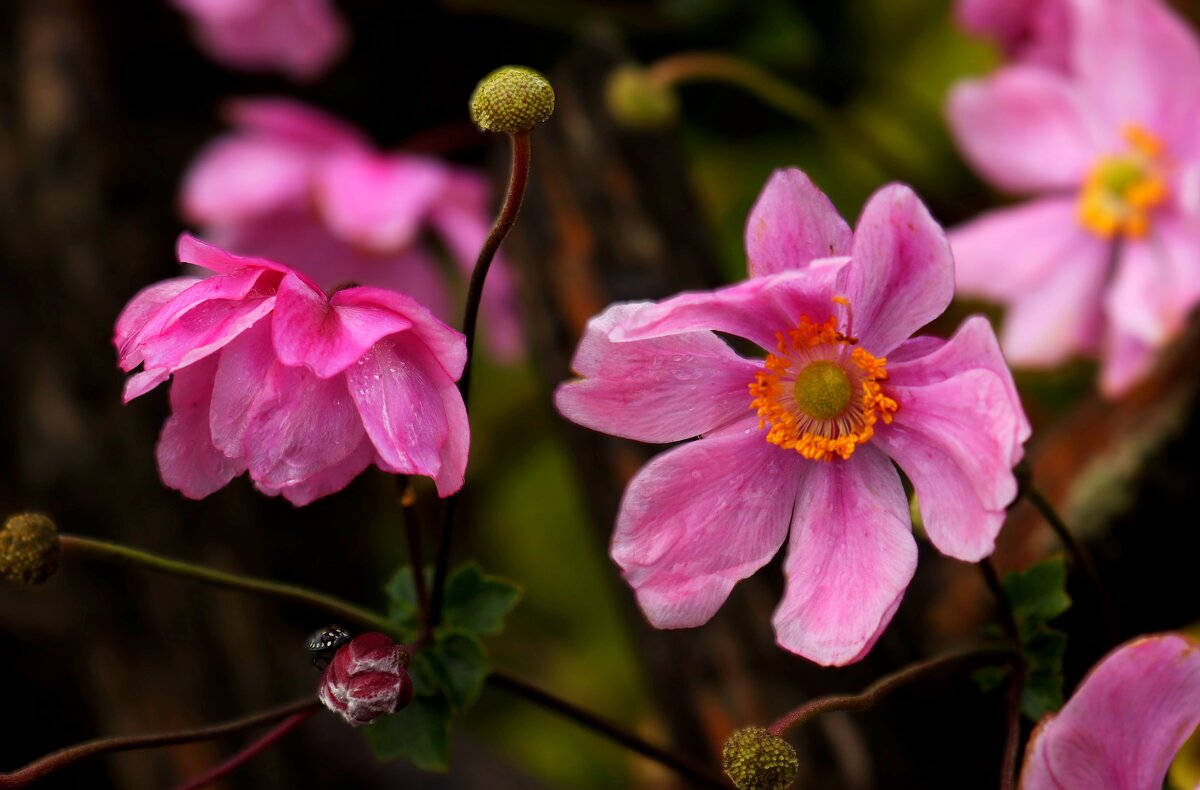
(29, 548)
(512, 99)
(638, 102)
(757, 759)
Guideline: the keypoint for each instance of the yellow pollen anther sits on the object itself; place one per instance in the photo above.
(820, 395)
(1122, 191)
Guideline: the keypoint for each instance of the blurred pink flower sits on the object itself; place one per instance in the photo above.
(1125, 722)
(302, 389)
(296, 37)
(366, 679)
(1030, 31)
(1106, 260)
(843, 389)
(296, 185)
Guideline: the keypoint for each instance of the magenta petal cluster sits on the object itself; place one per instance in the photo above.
(847, 391)
(1125, 722)
(296, 185)
(1030, 31)
(301, 389)
(1105, 259)
(298, 38)
(366, 679)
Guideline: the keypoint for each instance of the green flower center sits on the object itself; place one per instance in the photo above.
(823, 390)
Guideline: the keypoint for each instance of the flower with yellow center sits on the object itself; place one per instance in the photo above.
(1122, 191)
(820, 395)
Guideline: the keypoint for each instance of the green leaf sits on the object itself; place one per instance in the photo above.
(402, 600)
(1038, 594)
(1042, 694)
(458, 665)
(420, 733)
(476, 602)
(990, 678)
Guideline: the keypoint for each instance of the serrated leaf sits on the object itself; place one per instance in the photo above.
(419, 733)
(1038, 594)
(477, 602)
(458, 665)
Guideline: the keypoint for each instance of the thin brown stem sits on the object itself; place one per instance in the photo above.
(64, 757)
(416, 552)
(249, 753)
(697, 775)
(1012, 739)
(885, 686)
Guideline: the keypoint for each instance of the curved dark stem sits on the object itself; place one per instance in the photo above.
(416, 552)
(1012, 740)
(518, 178)
(695, 774)
(64, 757)
(884, 686)
(249, 753)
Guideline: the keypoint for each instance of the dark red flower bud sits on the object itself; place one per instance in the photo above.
(366, 679)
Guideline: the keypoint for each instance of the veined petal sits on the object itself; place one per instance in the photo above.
(791, 224)
(187, 459)
(1124, 723)
(327, 481)
(850, 557)
(242, 378)
(206, 328)
(192, 250)
(701, 517)
(1060, 316)
(144, 304)
(757, 309)
(1025, 129)
(664, 389)
(902, 273)
(448, 346)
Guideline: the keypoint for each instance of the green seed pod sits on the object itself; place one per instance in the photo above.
(757, 759)
(29, 548)
(512, 99)
(638, 102)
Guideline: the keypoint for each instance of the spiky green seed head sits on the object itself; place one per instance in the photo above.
(29, 548)
(512, 99)
(757, 759)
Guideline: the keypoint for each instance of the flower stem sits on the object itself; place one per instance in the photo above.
(884, 686)
(416, 552)
(64, 757)
(249, 753)
(697, 775)
(1012, 740)
(75, 544)
(518, 179)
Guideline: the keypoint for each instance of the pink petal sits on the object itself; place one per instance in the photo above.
(377, 202)
(757, 309)
(1003, 253)
(206, 328)
(237, 178)
(1031, 31)
(902, 274)
(1124, 723)
(1025, 129)
(955, 439)
(664, 389)
(850, 557)
(144, 304)
(448, 346)
(791, 224)
(201, 253)
(1060, 316)
(289, 121)
(698, 519)
(308, 330)
(187, 459)
(1127, 360)
(327, 481)
(243, 377)
(1157, 283)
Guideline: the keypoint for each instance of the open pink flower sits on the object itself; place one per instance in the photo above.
(302, 389)
(802, 440)
(1125, 722)
(299, 186)
(1030, 31)
(1107, 258)
(296, 37)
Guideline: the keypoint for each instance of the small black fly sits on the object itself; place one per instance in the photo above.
(323, 644)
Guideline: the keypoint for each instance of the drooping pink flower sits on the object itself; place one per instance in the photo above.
(301, 389)
(366, 679)
(1106, 259)
(1029, 31)
(1125, 722)
(804, 441)
(296, 37)
(295, 185)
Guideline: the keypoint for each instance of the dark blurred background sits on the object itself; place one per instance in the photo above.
(102, 106)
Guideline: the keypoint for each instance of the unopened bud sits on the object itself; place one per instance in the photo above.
(757, 759)
(29, 548)
(637, 101)
(512, 99)
(366, 679)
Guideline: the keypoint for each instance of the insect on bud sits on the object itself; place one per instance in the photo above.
(638, 102)
(512, 99)
(757, 759)
(29, 548)
(366, 679)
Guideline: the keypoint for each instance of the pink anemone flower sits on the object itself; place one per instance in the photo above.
(1029, 31)
(296, 37)
(1125, 722)
(295, 185)
(804, 440)
(301, 389)
(1106, 259)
